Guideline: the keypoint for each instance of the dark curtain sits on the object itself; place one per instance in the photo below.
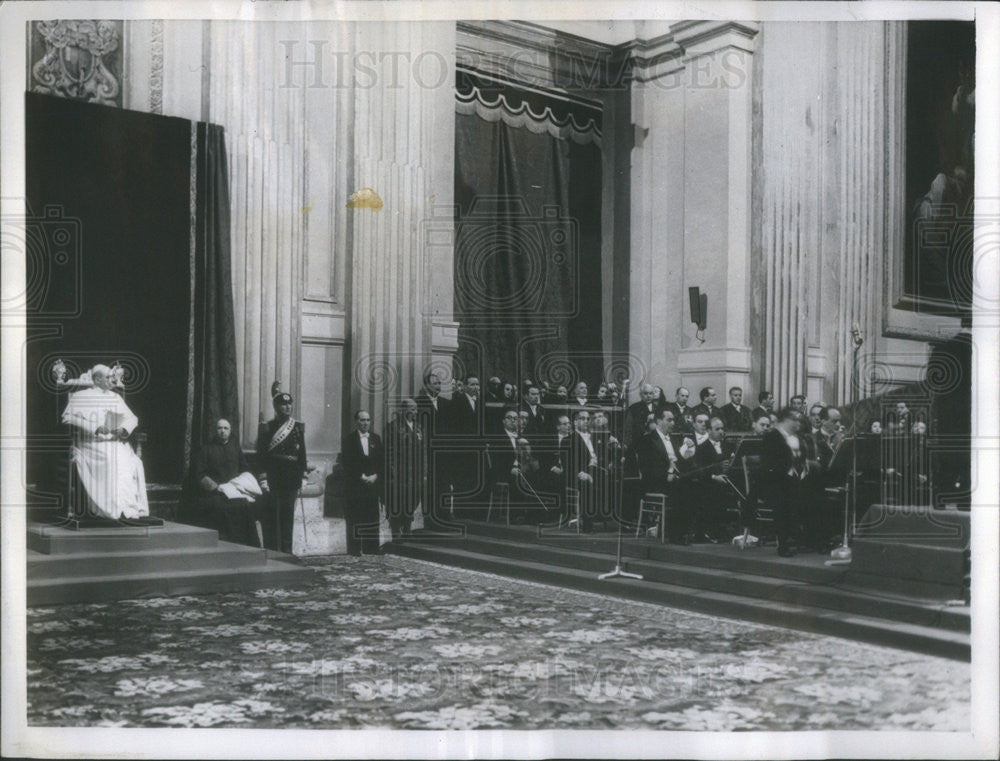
(112, 277)
(109, 196)
(215, 392)
(527, 251)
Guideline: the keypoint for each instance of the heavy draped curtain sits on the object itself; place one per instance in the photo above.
(527, 236)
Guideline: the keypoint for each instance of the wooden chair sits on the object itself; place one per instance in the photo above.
(573, 507)
(501, 492)
(656, 504)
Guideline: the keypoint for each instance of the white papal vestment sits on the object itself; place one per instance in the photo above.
(110, 471)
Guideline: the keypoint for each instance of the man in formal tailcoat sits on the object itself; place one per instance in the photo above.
(584, 468)
(663, 459)
(783, 467)
(465, 426)
(363, 458)
(281, 455)
(406, 473)
(432, 415)
(712, 494)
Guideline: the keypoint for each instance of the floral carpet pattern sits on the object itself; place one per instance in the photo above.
(393, 643)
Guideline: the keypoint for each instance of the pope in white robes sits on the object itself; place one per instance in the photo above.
(109, 470)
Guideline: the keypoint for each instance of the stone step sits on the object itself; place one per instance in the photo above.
(56, 540)
(87, 564)
(273, 574)
(755, 560)
(766, 587)
(925, 639)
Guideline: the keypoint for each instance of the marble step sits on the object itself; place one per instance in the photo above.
(766, 587)
(87, 564)
(932, 640)
(756, 560)
(56, 540)
(272, 574)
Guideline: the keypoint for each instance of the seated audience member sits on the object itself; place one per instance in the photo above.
(708, 401)
(603, 398)
(875, 427)
(659, 398)
(683, 418)
(509, 394)
(661, 454)
(765, 403)
(580, 398)
(537, 426)
(218, 463)
(761, 422)
(562, 395)
(637, 414)
(493, 390)
(735, 416)
(710, 491)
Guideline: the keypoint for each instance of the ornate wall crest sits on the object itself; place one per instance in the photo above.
(77, 59)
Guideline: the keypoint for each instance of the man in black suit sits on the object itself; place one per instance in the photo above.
(363, 458)
(708, 402)
(663, 458)
(798, 403)
(735, 415)
(580, 399)
(433, 421)
(217, 462)
(783, 467)
(636, 415)
(712, 493)
(583, 465)
(683, 418)
(532, 404)
(553, 457)
(466, 421)
(281, 454)
(765, 404)
(405, 468)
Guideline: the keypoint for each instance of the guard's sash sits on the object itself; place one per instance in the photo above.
(283, 432)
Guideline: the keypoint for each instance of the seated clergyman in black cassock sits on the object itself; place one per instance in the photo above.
(222, 502)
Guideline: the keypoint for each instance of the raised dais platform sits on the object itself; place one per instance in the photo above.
(66, 565)
(754, 584)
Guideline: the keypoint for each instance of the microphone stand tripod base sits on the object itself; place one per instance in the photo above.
(619, 572)
(840, 556)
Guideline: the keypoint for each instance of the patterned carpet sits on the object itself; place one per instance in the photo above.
(389, 642)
